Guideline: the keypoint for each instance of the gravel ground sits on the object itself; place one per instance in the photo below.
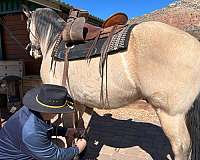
(140, 111)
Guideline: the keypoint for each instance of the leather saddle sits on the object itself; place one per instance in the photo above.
(77, 30)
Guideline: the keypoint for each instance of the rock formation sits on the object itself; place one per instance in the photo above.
(183, 14)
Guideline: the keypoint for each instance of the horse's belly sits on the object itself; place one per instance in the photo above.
(90, 95)
(85, 83)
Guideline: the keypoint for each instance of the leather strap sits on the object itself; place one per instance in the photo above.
(103, 61)
(66, 30)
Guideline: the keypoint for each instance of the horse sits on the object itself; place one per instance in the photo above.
(161, 65)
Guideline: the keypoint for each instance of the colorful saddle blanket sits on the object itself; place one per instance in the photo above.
(119, 41)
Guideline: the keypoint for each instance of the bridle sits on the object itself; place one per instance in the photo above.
(33, 47)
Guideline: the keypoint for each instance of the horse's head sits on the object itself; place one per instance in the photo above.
(43, 26)
(34, 44)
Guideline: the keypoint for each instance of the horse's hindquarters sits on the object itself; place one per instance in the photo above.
(167, 66)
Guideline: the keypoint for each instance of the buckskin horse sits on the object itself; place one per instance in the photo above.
(160, 65)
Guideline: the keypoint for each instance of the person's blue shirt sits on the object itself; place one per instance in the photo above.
(25, 136)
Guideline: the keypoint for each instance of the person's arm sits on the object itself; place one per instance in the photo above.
(40, 147)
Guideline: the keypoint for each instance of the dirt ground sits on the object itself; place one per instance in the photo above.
(140, 111)
(131, 133)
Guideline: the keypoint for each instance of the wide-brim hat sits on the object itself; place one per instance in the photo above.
(49, 98)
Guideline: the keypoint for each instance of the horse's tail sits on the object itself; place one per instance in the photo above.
(193, 125)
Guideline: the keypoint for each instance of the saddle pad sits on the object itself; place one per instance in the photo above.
(119, 42)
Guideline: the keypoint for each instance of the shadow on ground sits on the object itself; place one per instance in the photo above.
(105, 130)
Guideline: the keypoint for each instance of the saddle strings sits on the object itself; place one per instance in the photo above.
(90, 51)
(104, 61)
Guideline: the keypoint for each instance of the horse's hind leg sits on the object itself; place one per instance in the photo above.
(176, 130)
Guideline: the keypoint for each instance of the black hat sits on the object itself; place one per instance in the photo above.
(49, 98)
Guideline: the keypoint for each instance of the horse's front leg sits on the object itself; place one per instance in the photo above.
(75, 120)
(176, 130)
(82, 111)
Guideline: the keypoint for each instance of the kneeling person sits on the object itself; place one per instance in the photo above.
(26, 135)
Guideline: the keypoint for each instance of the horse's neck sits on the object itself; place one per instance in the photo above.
(49, 71)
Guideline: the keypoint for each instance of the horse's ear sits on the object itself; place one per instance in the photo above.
(26, 11)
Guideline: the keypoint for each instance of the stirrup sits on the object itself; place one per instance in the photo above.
(77, 28)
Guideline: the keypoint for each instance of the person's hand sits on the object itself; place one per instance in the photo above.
(81, 144)
(73, 133)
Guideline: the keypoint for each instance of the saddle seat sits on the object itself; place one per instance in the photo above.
(117, 19)
(93, 31)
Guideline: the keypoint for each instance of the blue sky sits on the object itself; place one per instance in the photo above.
(131, 7)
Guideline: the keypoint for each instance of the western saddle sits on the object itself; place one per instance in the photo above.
(77, 30)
